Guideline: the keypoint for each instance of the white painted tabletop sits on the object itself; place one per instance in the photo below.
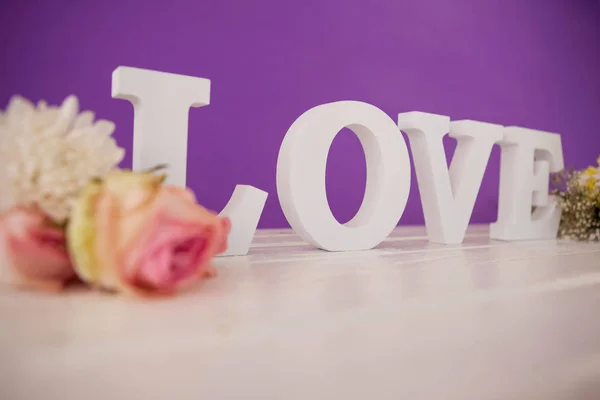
(408, 320)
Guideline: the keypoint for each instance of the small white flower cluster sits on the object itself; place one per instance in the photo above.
(583, 224)
(584, 179)
(580, 208)
(49, 154)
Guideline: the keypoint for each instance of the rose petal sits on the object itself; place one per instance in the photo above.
(34, 251)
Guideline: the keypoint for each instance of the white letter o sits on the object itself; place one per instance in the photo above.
(301, 176)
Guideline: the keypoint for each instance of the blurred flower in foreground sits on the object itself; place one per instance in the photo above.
(129, 232)
(125, 231)
(33, 250)
(50, 153)
(578, 195)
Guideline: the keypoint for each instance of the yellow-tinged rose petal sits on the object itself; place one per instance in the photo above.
(81, 233)
(131, 188)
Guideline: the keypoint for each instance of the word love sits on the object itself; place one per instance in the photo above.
(161, 105)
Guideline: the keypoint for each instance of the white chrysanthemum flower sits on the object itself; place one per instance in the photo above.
(49, 154)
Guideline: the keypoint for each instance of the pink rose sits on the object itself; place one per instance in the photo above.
(130, 232)
(34, 251)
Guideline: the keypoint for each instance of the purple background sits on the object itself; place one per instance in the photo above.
(533, 63)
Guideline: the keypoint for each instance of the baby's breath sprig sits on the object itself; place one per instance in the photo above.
(578, 195)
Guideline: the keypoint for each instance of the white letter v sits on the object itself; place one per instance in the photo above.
(448, 197)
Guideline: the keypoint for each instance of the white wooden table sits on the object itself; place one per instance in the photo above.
(408, 320)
